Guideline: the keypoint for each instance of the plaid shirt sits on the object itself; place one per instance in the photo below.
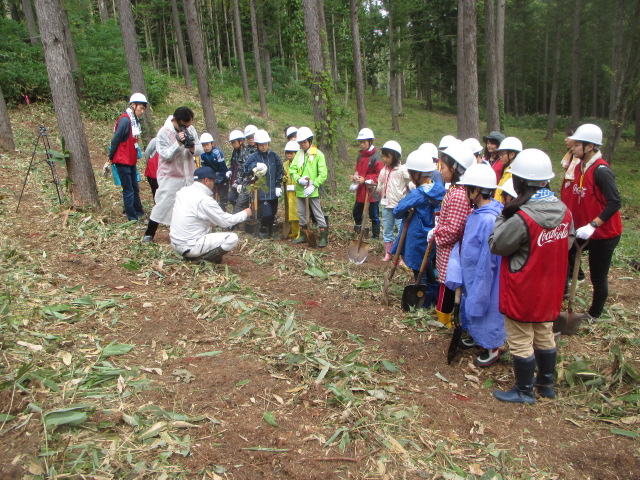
(452, 219)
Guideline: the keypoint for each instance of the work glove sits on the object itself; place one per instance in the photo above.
(278, 191)
(106, 169)
(304, 181)
(239, 189)
(430, 234)
(228, 173)
(369, 182)
(309, 190)
(353, 187)
(584, 233)
(260, 170)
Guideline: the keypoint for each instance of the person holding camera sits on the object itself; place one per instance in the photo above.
(177, 143)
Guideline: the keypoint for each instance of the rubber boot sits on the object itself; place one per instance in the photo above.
(522, 391)
(375, 230)
(295, 229)
(214, 255)
(444, 318)
(270, 229)
(324, 237)
(546, 360)
(302, 238)
(262, 231)
(387, 251)
(356, 229)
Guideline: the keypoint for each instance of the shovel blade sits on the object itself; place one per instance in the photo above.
(312, 241)
(357, 251)
(455, 344)
(412, 296)
(568, 323)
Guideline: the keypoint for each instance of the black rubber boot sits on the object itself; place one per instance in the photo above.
(522, 392)
(262, 231)
(302, 238)
(546, 360)
(356, 229)
(375, 230)
(214, 255)
(270, 229)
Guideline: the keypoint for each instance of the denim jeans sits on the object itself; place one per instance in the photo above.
(373, 213)
(130, 191)
(389, 224)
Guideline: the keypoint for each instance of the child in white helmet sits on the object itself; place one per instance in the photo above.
(368, 166)
(235, 174)
(214, 159)
(290, 150)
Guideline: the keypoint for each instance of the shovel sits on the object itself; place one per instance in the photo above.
(358, 250)
(413, 295)
(286, 225)
(396, 258)
(312, 241)
(457, 329)
(567, 323)
(252, 226)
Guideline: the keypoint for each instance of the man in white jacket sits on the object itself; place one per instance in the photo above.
(177, 143)
(194, 212)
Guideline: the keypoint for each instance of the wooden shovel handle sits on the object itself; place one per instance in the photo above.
(574, 277)
(365, 212)
(403, 235)
(425, 260)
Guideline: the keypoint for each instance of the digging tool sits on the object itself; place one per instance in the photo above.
(286, 225)
(358, 250)
(567, 323)
(312, 241)
(252, 226)
(457, 328)
(396, 258)
(413, 295)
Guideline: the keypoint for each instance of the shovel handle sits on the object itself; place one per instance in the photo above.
(403, 235)
(425, 260)
(365, 212)
(574, 277)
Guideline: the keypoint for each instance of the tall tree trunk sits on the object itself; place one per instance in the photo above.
(30, 20)
(393, 81)
(637, 136)
(576, 64)
(428, 87)
(134, 65)
(256, 57)
(556, 75)
(226, 34)
(182, 51)
(468, 117)
(103, 9)
(493, 114)
(195, 41)
(264, 41)
(84, 192)
(148, 41)
(594, 91)
(71, 50)
(357, 62)
(6, 132)
(215, 23)
(545, 72)
(334, 55)
(240, 52)
(500, 58)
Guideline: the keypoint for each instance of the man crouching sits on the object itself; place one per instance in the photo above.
(194, 212)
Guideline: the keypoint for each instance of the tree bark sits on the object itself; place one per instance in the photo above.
(556, 75)
(6, 132)
(576, 64)
(357, 63)
(256, 57)
(134, 64)
(240, 49)
(32, 27)
(393, 81)
(84, 192)
(264, 41)
(500, 58)
(226, 34)
(468, 117)
(545, 72)
(493, 113)
(182, 52)
(103, 9)
(71, 50)
(637, 135)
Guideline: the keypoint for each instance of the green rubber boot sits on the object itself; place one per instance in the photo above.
(324, 237)
(302, 238)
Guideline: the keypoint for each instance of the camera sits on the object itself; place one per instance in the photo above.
(188, 141)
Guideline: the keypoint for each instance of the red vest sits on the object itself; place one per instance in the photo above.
(588, 202)
(534, 293)
(152, 167)
(126, 154)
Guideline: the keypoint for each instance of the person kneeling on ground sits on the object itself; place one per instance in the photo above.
(194, 212)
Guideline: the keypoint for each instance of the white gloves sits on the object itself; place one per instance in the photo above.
(304, 181)
(353, 187)
(584, 233)
(260, 169)
(278, 191)
(239, 188)
(309, 190)
(369, 182)
(228, 173)
(430, 234)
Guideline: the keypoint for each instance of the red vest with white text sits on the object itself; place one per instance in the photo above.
(588, 202)
(126, 154)
(534, 293)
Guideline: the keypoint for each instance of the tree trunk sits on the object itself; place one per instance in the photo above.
(134, 65)
(240, 51)
(357, 63)
(556, 75)
(576, 64)
(6, 132)
(637, 136)
(226, 34)
(500, 58)
(256, 57)
(84, 192)
(334, 55)
(214, 22)
(468, 117)
(71, 50)
(493, 114)
(545, 72)
(393, 81)
(30, 20)
(103, 9)
(594, 92)
(195, 41)
(264, 40)
(182, 51)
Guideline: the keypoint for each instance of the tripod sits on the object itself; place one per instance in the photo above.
(42, 134)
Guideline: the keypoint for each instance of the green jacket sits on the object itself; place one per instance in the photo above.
(310, 164)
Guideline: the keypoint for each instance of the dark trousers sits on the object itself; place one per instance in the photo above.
(130, 191)
(267, 210)
(358, 209)
(221, 194)
(153, 183)
(239, 201)
(600, 255)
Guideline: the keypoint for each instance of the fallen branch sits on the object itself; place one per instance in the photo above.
(343, 459)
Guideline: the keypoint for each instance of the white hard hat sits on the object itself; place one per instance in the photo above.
(262, 136)
(291, 147)
(507, 187)
(588, 133)
(461, 155)
(250, 130)
(420, 162)
(304, 133)
(532, 164)
(138, 98)
(511, 143)
(446, 141)
(291, 131)
(430, 149)
(236, 135)
(365, 134)
(393, 145)
(479, 175)
(206, 138)
(474, 145)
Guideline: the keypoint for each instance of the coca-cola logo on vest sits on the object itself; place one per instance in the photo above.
(558, 233)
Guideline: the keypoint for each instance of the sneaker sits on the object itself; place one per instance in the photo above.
(488, 357)
(147, 239)
(468, 342)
